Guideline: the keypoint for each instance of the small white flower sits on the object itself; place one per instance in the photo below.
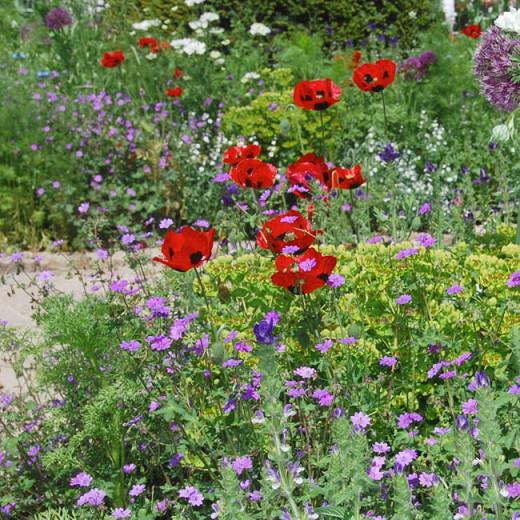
(151, 56)
(509, 21)
(250, 76)
(145, 25)
(259, 29)
(189, 46)
(412, 14)
(191, 3)
(226, 42)
(215, 55)
(216, 30)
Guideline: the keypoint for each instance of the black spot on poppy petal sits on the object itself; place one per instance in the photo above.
(195, 258)
(321, 106)
(308, 97)
(323, 276)
(368, 78)
(249, 171)
(385, 74)
(247, 182)
(171, 252)
(378, 88)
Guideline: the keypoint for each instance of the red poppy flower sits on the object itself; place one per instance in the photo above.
(112, 59)
(472, 31)
(253, 173)
(148, 41)
(186, 249)
(290, 230)
(234, 154)
(306, 168)
(305, 273)
(174, 92)
(345, 178)
(374, 77)
(178, 73)
(318, 94)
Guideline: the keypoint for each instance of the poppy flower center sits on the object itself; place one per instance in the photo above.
(196, 257)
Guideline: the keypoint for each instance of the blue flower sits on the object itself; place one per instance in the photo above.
(264, 332)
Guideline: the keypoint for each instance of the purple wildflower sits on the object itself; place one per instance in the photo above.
(121, 513)
(403, 299)
(514, 280)
(95, 498)
(388, 361)
(192, 495)
(493, 63)
(81, 480)
(58, 18)
(241, 464)
(137, 489)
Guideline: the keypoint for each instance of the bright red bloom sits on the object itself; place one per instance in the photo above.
(253, 173)
(306, 168)
(234, 154)
(345, 178)
(472, 31)
(174, 92)
(186, 249)
(148, 41)
(289, 230)
(178, 73)
(374, 77)
(318, 94)
(305, 273)
(112, 59)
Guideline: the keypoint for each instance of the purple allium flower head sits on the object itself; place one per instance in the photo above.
(81, 480)
(192, 495)
(58, 18)
(493, 63)
(95, 498)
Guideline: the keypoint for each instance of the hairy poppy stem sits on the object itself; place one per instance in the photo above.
(384, 111)
(322, 143)
(203, 292)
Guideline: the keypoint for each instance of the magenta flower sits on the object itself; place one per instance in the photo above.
(454, 289)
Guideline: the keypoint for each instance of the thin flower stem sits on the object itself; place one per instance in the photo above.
(384, 111)
(322, 143)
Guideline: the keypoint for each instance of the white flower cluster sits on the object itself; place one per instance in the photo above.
(259, 29)
(204, 20)
(249, 76)
(448, 6)
(146, 25)
(191, 3)
(189, 46)
(509, 21)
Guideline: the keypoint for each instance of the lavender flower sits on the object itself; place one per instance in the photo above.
(192, 495)
(95, 498)
(81, 480)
